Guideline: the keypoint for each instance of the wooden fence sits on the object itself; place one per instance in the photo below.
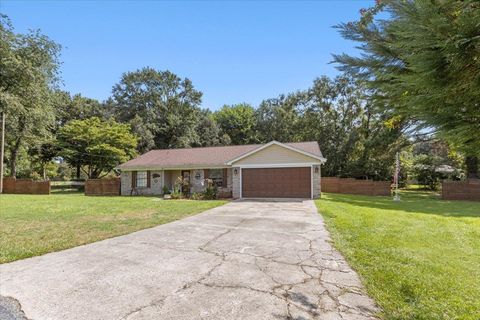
(353, 186)
(461, 190)
(25, 186)
(102, 187)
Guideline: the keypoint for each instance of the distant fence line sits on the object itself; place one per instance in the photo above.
(461, 190)
(102, 187)
(25, 186)
(353, 186)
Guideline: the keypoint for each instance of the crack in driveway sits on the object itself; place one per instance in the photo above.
(244, 260)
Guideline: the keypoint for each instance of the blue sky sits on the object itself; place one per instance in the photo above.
(232, 51)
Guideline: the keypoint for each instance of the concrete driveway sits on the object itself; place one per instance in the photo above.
(244, 260)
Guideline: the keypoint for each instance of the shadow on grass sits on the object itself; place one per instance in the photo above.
(415, 202)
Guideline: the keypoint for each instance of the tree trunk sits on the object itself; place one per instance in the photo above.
(16, 148)
(78, 172)
(472, 167)
(13, 163)
(13, 158)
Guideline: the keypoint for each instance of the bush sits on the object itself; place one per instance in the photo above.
(166, 190)
(35, 176)
(197, 196)
(176, 194)
(181, 184)
(430, 170)
(211, 191)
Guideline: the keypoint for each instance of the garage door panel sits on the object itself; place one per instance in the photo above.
(276, 182)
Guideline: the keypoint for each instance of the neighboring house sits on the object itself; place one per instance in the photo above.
(271, 170)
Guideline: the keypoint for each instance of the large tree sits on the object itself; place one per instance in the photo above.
(161, 107)
(277, 119)
(77, 107)
(209, 132)
(356, 141)
(238, 122)
(97, 146)
(422, 61)
(337, 113)
(28, 72)
(42, 155)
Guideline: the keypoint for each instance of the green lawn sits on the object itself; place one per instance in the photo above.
(419, 258)
(31, 225)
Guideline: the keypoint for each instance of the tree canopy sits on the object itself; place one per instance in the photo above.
(238, 122)
(97, 146)
(161, 107)
(29, 69)
(422, 63)
(418, 69)
(337, 113)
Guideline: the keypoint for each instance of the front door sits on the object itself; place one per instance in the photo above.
(186, 181)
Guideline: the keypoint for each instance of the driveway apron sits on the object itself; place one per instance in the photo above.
(244, 260)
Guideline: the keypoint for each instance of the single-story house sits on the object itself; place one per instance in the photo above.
(271, 170)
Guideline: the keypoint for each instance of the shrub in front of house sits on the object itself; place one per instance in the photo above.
(166, 190)
(211, 191)
(176, 194)
(197, 196)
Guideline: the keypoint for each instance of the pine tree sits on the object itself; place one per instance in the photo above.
(422, 60)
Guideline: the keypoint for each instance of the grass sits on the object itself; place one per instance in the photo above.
(31, 225)
(419, 258)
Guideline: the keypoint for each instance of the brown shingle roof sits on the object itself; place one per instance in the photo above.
(207, 156)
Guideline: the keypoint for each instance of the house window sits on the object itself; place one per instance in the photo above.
(141, 179)
(217, 176)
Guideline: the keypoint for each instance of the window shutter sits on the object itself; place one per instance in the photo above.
(134, 179)
(148, 179)
(225, 176)
(205, 173)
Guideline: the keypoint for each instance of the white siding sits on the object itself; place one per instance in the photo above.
(275, 154)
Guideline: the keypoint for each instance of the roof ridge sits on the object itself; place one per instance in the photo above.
(231, 145)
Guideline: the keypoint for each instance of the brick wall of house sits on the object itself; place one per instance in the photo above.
(236, 183)
(197, 180)
(126, 183)
(226, 192)
(156, 184)
(316, 175)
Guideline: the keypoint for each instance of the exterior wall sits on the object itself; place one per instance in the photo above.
(168, 178)
(275, 154)
(199, 185)
(156, 184)
(226, 192)
(173, 176)
(126, 183)
(236, 183)
(197, 180)
(316, 184)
